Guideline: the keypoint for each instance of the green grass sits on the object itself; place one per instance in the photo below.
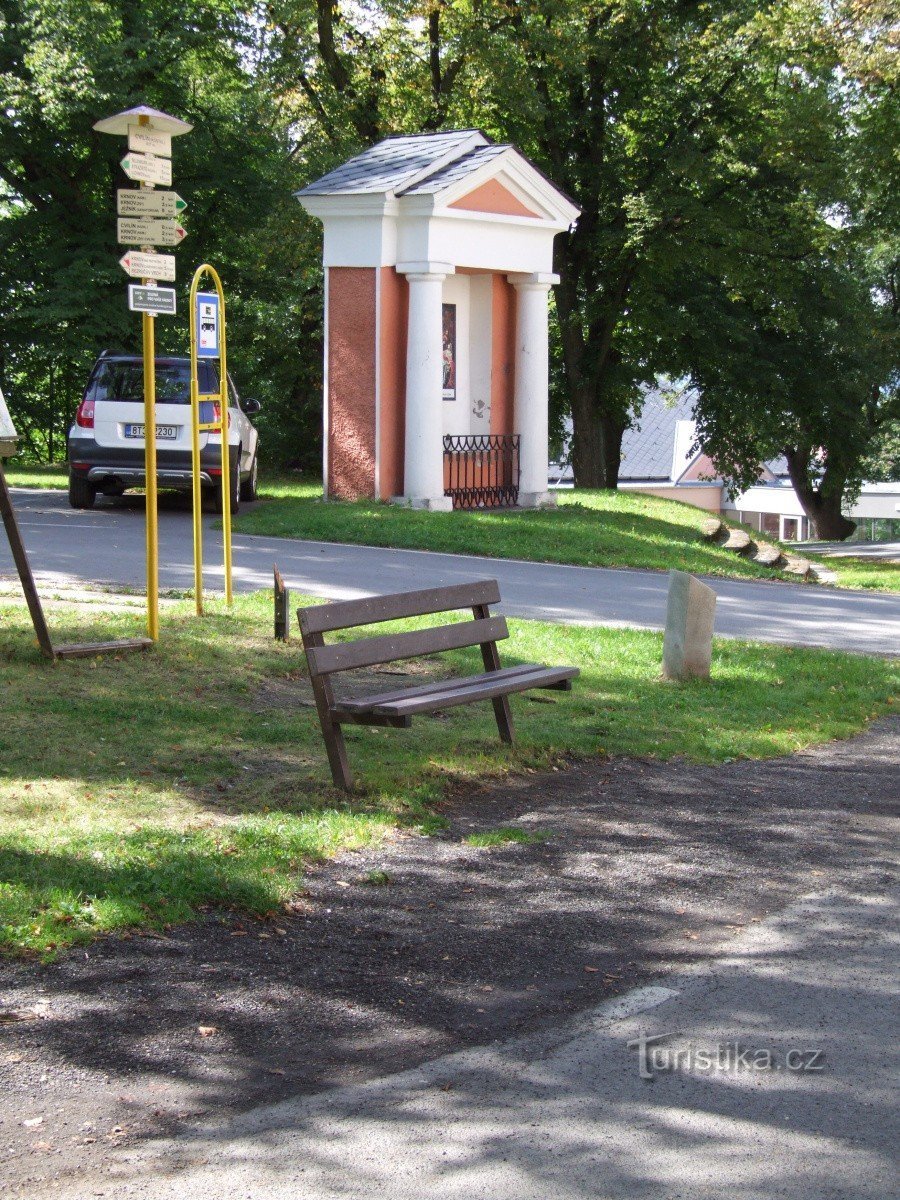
(137, 793)
(55, 476)
(489, 838)
(377, 879)
(589, 528)
(866, 573)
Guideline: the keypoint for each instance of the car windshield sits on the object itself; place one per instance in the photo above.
(123, 379)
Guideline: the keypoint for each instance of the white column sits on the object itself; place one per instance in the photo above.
(531, 390)
(423, 467)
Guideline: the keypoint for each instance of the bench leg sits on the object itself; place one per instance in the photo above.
(337, 754)
(335, 745)
(491, 658)
(503, 714)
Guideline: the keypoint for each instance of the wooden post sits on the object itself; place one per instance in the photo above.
(282, 609)
(24, 568)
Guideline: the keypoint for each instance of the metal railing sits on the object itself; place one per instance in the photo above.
(481, 470)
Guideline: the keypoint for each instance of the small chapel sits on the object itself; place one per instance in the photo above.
(438, 258)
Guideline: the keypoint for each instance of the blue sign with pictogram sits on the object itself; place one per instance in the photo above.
(207, 316)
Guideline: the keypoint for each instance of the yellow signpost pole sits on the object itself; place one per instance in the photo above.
(219, 426)
(145, 219)
(150, 471)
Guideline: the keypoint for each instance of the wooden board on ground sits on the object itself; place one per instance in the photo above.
(90, 649)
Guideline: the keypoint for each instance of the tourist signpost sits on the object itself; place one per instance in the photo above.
(147, 168)
(144, 220)
(148, 265)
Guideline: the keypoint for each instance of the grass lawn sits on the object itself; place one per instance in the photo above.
(139, 792)
(589, 528)
(55, 476)
(867, 573)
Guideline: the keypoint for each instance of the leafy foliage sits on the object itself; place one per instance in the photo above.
(734, 164)
(65, 63)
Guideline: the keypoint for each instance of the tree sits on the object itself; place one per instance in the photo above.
(64, 64)
(812, 377)
(812, 363)
(684, 131)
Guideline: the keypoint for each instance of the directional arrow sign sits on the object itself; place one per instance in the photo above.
(149, 231)
(151, 141)
(148, 168)
(148, 266)
(141, 202)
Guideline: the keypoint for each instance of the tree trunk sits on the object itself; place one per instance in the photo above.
(596, 442)
(822, 504)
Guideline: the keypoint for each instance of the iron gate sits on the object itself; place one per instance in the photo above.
(481, 470)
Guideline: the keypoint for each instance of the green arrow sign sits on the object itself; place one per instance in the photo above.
(140, 202)
(148, 168)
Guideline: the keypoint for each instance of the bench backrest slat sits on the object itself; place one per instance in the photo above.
(323, 618)
(389, 647)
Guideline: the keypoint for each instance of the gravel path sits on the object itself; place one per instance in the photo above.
(647, 869)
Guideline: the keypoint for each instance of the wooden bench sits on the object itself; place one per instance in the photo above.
(397, 707)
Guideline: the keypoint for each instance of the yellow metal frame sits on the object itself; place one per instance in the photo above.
(152, 519)
(220, 427)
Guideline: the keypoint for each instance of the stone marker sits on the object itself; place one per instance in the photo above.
(687, 646)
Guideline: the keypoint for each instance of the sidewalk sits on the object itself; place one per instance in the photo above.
(566, 1114)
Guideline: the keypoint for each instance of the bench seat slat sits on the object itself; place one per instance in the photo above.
(345, 614)
(389, 647)
(365, 703)
(476, 687)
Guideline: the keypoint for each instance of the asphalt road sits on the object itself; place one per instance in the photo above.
(772, 1074)
(107, 545)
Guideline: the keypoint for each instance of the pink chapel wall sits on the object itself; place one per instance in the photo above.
(357, 353)
(351, 382)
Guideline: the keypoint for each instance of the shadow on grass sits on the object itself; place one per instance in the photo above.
(647, 867)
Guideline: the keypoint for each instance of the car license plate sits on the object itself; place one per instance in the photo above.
(164, 433)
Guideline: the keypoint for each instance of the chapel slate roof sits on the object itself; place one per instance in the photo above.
(456, 170)
(648, 448)
(396, 161)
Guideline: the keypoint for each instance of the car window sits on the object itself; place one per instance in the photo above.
(234, 401)
(124, 380)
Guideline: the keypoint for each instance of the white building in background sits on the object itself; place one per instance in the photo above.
(658, 459)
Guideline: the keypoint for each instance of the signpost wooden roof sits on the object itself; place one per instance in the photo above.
(131, 116)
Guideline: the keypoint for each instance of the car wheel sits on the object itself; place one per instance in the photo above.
(235, 483)
(249, 485)
(82, 492)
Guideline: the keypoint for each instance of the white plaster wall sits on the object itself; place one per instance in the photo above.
(481, 297)
(484, 241)
(356, 241)
(875, 500)
(779, 498)
(490, 243)
(456, 412)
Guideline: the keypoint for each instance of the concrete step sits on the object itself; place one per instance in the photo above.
(800, 567)
(738, 541)
(711, 529)
(768, 556)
